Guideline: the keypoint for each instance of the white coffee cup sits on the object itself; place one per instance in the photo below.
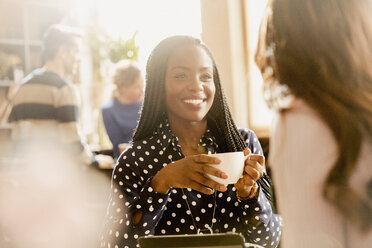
(232, 163)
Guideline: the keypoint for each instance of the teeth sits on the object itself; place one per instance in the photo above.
(193, 101)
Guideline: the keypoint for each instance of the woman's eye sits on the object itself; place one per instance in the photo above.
(206, 77)
(180, 76)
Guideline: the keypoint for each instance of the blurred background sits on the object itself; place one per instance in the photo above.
(119, 29)
(115, 30)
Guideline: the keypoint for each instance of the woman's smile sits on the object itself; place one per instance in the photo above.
(189, 84)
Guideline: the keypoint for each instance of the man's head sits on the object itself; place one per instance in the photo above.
(62, 43)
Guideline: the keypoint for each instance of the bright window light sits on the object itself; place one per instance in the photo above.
(154, 20)
(261, 116)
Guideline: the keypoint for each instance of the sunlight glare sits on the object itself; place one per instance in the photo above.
(154, 20)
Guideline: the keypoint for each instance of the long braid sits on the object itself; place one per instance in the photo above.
(223, 123)
(153, 109)
(228, 136)
(153, 105)
(219, 117)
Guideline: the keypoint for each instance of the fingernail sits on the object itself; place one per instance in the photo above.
(222, 188)
(224, 175)
(217, 160)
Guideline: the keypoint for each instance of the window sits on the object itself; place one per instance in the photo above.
(260, 116)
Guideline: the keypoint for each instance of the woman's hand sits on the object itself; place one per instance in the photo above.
(253, 170)
(189, 172)
(105, 161)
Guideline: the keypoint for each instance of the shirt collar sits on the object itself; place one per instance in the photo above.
(166, 137)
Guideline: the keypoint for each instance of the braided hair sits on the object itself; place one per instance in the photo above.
(153, 109)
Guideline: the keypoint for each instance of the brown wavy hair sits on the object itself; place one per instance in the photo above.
(322, 50)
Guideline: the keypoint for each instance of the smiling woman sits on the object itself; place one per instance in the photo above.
(189, 85)
(159, 185)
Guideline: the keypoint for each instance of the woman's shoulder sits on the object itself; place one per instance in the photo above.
(247, 133)
(251, 140)
(140, 149)
(148, 143)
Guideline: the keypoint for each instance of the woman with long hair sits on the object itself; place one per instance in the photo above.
(159, 185)
(316, 59)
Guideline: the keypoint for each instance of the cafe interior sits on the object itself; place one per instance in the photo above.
(46, 199)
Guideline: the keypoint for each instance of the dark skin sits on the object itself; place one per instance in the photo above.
(190, 92)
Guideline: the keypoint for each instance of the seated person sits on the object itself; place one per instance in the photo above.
(120, 114)
(159, 184)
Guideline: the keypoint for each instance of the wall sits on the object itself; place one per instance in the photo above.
(230, 29)
(222, 31)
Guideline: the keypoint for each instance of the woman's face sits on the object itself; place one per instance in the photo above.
(133, 92)
(189, 84)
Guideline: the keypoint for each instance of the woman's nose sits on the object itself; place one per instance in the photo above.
(196, 84)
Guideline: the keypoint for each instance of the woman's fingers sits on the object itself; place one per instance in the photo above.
(246, 151)
(253, 173)
(203, 180)
(201, 165)
(258, 158)
(189, 173)
(205, 159)
(255, 162)
(198, 187)
(244, 182)
(196, 167)
(248, 181)
(207, 169)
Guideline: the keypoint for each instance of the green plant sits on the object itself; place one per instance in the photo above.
(106, 51)
(103, 47)
(120, 49)
(7, 63)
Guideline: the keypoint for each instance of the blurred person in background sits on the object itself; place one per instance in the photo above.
(120, 114)
(47, 198)
(316, 58)
(46, 106)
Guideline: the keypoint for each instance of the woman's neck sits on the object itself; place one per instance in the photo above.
(188, 133)
(123, 99)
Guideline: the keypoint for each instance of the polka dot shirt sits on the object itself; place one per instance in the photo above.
(181, 211)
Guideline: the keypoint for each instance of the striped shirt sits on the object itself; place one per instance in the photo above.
(46, 108)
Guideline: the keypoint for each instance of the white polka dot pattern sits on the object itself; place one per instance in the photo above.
(131, 192)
